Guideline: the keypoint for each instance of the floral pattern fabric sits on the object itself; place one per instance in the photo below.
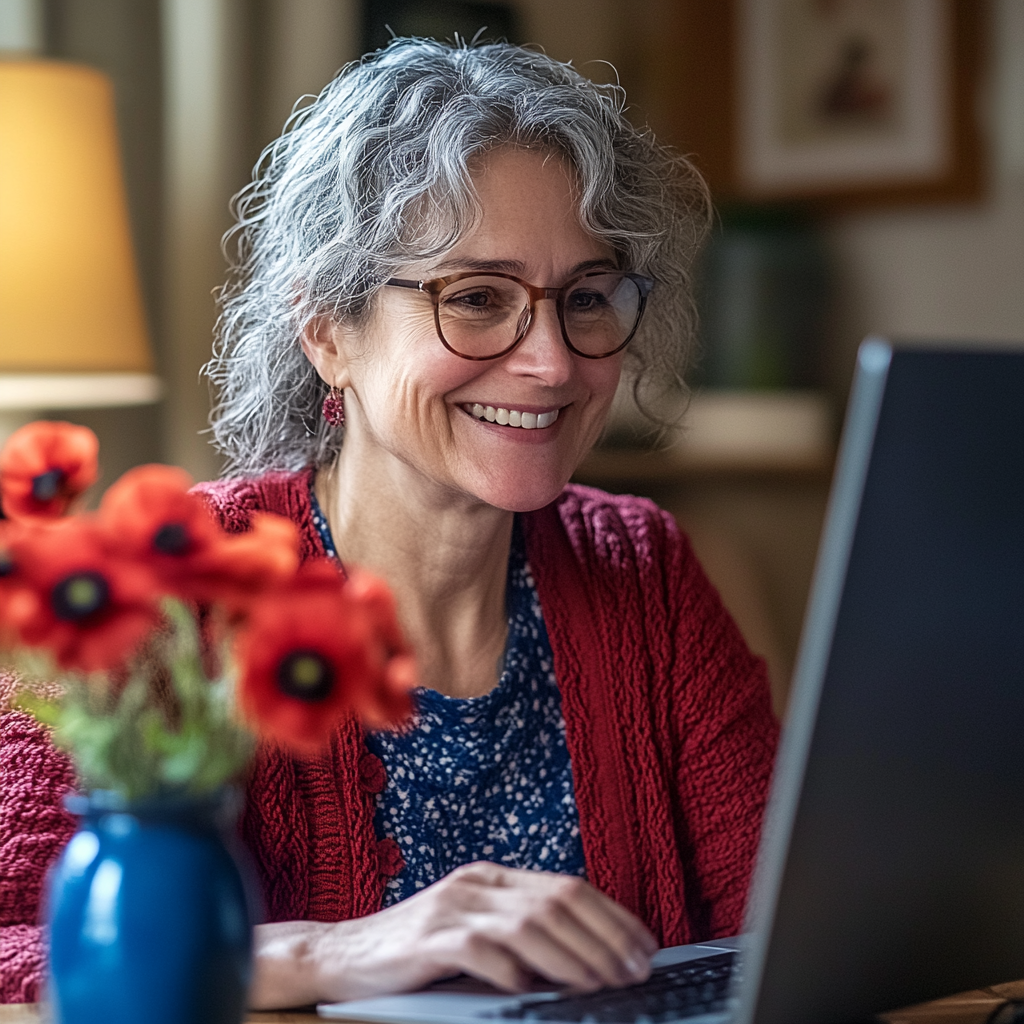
(483, 778)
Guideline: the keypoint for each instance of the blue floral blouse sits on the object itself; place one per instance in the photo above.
(482, 778)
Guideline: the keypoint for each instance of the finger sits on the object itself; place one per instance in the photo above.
(564, 955)
(612, 944)
(600, 903)
(632, 925)
(596, 899)
(471, 952)
(551, 939)
(610, 927)
(627, 934)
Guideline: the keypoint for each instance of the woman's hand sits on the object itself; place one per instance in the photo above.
(502, 925)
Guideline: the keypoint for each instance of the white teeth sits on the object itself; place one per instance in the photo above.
(512, 417)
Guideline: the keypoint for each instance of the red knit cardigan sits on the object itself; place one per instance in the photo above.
(668, 722)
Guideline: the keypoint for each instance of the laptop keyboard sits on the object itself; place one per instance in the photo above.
(669, 994)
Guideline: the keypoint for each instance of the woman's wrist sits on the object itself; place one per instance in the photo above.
(287, 964)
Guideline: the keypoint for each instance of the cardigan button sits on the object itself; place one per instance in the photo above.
(372, 777)
(390, 861)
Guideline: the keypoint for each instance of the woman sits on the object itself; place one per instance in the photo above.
(443, 268)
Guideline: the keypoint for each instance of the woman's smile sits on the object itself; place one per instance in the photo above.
(526, 419)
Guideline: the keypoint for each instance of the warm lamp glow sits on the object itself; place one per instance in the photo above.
(69, 293)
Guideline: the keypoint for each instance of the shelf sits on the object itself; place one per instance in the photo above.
(748, 433)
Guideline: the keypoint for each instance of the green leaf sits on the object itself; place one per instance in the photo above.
(182, 766)
(45, 711)
(129, 740)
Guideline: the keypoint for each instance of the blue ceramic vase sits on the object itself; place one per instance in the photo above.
(148, 915)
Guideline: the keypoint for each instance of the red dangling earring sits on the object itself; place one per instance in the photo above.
(334, 407)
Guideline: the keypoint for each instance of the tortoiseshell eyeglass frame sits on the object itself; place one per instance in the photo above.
(434, 287)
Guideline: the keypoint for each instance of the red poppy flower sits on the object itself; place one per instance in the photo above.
(266, 555)
(11, 579)
(89, 609)
(310, 655)
(376, 597)
(45, 466)
(149, 514)
(387, 703)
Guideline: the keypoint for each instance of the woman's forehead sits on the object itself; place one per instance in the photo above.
(525, 163)
(528, 217)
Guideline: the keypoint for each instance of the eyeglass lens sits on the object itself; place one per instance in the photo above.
(483, 316)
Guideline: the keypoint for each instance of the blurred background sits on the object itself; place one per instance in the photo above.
(828, 229)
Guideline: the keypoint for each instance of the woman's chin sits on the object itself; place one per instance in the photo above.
(522, 494)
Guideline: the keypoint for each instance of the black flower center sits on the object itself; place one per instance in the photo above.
(46, 486)
(306, 675)
(6, 564)
(79, 595)
(172, 539)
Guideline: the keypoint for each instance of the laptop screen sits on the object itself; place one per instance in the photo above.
(892, 866)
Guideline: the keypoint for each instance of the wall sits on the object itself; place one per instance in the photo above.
(301, 45)
(945, 273)
(205, 136)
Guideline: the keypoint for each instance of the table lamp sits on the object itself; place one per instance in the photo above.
(72, 325)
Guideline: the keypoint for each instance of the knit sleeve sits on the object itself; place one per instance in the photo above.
(34, 827)
(724, 743)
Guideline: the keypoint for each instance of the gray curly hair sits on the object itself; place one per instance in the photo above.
(374, 174)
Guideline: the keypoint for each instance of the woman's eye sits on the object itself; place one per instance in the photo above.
(481, 303)
(582, 301)
(478, 299)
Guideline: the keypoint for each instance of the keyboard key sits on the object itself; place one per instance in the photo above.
(679, 990)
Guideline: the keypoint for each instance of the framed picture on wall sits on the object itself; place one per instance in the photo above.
(841, 102)
(842, 93)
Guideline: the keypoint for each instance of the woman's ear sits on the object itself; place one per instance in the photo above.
(324, 343)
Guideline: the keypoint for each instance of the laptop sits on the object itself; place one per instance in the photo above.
(891, 866)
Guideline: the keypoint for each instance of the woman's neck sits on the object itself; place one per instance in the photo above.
(445, 560)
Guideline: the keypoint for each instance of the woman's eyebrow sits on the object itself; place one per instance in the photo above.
(516, 267)
(484, 266)
(602, 264)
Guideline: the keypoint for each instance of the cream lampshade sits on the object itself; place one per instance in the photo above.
(72, 326)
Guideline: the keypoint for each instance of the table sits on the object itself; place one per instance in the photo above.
(967, 1008)
(34, 1013)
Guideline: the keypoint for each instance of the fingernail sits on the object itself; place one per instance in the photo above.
(636, 968)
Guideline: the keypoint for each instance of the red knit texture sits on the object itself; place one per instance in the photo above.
(34, 827)
(668, 722)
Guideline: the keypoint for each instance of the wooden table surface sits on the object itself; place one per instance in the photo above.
(968, 1008)
(35, 1013)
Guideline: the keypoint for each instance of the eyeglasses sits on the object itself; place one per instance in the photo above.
(484, 316)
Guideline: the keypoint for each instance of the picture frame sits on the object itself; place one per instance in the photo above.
(836, 103)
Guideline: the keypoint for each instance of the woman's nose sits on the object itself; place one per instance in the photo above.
(542, 352)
